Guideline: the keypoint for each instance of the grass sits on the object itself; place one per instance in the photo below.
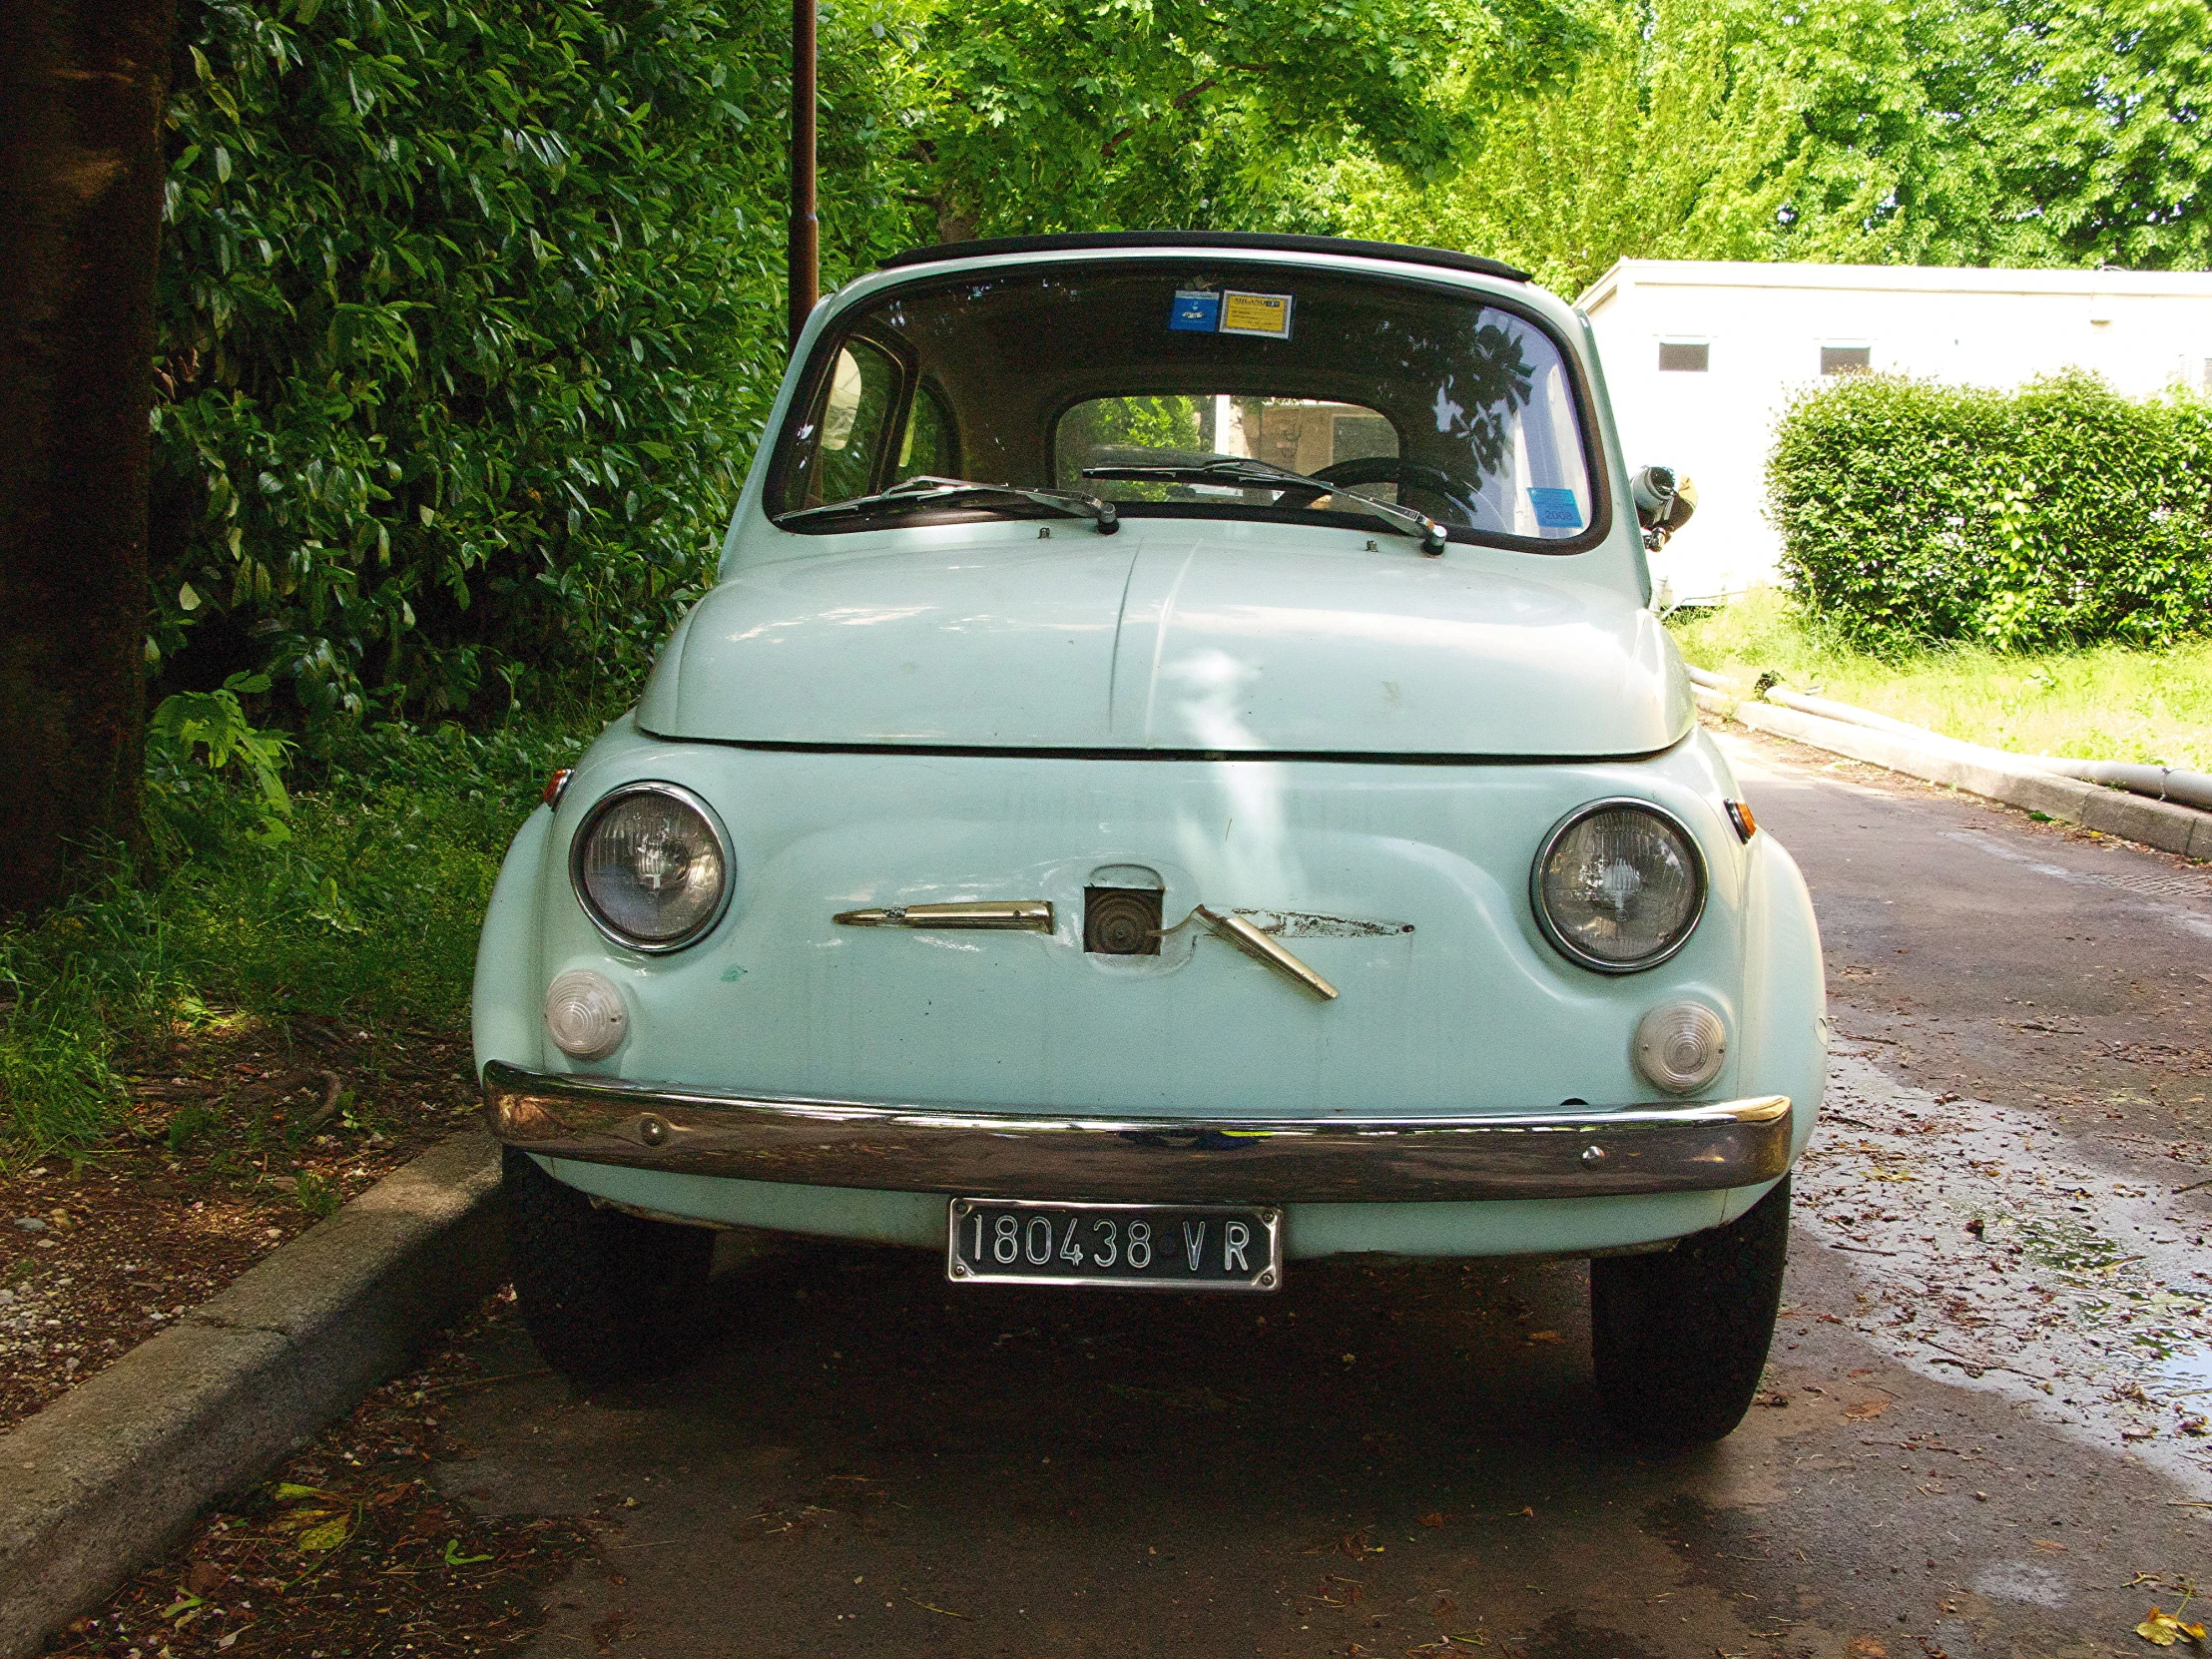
(362, 905)
(2103, 703)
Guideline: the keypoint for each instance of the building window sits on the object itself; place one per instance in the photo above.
(1846, 359)
(1684, 356)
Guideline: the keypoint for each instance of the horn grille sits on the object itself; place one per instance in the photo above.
(1121, 921)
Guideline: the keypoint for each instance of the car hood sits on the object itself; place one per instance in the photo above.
(1301, 642)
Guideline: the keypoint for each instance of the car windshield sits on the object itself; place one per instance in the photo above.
(1044, 376)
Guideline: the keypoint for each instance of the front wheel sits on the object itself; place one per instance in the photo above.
(604, 1295)
(1680, 1339)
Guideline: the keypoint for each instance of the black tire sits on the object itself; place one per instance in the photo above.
(1680, 1339)
(605, 1296)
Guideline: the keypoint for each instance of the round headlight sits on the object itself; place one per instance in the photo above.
(651, 867)
(1618, 886)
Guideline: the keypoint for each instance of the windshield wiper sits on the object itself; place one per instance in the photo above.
(926, 490)
(1251, 474)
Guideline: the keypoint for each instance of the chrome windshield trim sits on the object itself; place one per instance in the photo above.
(1056, 1154)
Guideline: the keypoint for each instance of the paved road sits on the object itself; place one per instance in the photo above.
(1982, 1436)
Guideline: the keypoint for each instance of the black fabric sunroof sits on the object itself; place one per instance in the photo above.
(1170, 240)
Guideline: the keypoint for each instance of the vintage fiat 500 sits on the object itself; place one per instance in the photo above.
(1178, 776)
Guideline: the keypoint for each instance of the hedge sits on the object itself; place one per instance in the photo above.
(1914, 513)
(470, 314)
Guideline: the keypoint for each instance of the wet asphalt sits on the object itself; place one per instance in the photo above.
(1982, 1433)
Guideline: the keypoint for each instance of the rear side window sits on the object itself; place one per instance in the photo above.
(930, 447)
(1304, 435)
(854, 416)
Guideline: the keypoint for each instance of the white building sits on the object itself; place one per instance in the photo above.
(1701, 355)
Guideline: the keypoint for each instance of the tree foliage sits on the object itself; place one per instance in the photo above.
(470, 316)
(1208, 113)
(2012, 132)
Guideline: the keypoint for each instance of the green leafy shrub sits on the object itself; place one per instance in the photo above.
(183, 794)
(368, 910)
(2060, 514)
(470, 316)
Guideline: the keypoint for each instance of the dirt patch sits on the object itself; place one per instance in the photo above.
(235, 1141)
(350, 1550)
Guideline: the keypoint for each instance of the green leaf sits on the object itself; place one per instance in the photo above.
(326, 1535)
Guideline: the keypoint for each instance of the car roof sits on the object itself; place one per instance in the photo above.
(1170, 241)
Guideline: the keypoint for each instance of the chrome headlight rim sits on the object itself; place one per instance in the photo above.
(1565, 947)
(607, 928)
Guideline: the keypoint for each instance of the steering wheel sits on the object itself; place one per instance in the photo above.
(1390, 469)
(1412, 475)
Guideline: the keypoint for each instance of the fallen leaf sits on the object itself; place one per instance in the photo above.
(2163, 1629)
(1865, 1647)
(2050, 1544)
(1544, 1337)
(287, 1491)
(1865, 1410)
(328, 1535)
(1432, 1518)
(454, 1557)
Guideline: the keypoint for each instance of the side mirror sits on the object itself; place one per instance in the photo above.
(1664, 503)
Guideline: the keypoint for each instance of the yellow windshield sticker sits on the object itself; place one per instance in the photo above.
(1256, 314)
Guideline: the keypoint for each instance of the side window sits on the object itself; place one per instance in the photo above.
(855, 416)
(930, 447)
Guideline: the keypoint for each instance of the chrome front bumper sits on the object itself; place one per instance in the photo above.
(837, 1143)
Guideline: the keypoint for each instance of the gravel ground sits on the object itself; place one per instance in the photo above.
(233, 1143)
(351, 1551)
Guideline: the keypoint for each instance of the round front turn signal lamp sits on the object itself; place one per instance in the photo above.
(1680, 1046)
(585, 1015)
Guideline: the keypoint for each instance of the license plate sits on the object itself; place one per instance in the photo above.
(1169, 1247)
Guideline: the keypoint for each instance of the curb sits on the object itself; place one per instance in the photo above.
(107, 1476)
(1983, 772)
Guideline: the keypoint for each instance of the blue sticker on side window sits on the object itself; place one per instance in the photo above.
(1195, 311)
(1556, 509)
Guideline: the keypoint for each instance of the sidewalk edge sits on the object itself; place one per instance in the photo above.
(107, 1476)
(1982, 772)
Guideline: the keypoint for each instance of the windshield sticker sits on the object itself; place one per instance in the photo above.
(1195, 311)
(1556, 509)
(1267, 315)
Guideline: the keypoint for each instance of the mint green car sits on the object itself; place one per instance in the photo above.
(1178, 776)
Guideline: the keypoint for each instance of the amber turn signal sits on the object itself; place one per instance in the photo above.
(1739, 813)
(556, 786)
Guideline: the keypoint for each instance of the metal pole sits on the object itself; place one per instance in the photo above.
(803, 260)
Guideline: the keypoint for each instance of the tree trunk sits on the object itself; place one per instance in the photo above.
(81, 85)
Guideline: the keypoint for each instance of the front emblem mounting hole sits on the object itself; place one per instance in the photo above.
(1121, 921)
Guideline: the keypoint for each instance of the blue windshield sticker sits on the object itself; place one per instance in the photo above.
(1556, 509)
(1194, 312)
